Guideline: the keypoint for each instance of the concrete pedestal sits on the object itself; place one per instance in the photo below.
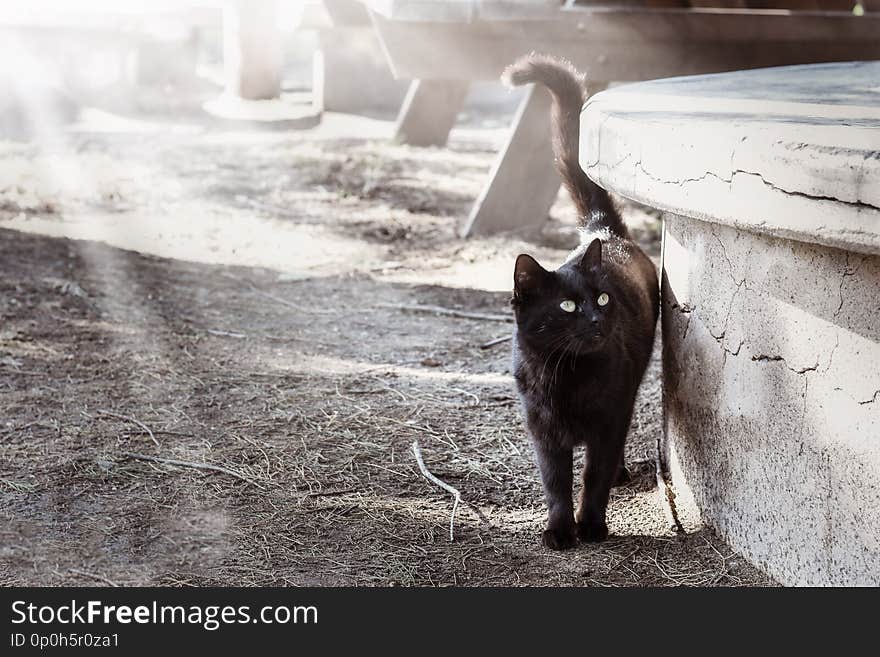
(772, 370)
(770, 183)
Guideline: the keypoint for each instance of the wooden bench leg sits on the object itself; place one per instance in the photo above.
(252, 49)
(429, 110)
(523, 182)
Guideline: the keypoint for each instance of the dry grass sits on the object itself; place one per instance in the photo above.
(271, 412)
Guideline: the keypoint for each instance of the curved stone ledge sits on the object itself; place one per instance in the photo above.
(716, 148)
(771, 302)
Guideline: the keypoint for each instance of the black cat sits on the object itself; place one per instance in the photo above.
(584, 332)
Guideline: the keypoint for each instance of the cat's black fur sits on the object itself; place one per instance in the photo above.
(578, 372)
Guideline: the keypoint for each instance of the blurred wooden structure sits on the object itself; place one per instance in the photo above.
(350, 72)
(445, 44)
(252, 49)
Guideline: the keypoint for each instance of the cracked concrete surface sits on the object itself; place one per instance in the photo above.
(771, 348)
(771, 314)
(764, 160)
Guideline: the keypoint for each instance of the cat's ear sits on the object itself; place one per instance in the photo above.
(592, 257)
(528, 275)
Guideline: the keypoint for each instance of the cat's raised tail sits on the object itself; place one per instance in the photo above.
(568, 90)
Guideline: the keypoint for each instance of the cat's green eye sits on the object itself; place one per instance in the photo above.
(603, 299)
(568, 306)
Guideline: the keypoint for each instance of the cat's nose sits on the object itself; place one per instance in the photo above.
(594, 319)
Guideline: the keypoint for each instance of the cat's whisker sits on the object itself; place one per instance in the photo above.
(547, 360)
(559, 342)
(569, 343)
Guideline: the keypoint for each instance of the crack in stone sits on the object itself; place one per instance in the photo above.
(687, 328)
(600, 131)
(812, 197)
(729, 264)
(803, 423)
(762, 358)
(847, 272)
(833, 349)
(720, 338)
(684, 309)
(729, 181)
(682, 181)
(871, 400)
(739, 285)
(737, 350)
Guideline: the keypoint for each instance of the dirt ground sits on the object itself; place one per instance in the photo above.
(172, 289)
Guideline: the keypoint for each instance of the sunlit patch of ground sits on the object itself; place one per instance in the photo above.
(216, 380)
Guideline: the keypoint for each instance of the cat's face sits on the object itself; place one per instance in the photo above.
(570, 310)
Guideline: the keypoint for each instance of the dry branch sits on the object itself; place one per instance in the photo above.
(225, 334)
(191, 464)
(492, 343)
(133, 421)
(28, 425)
(96, 576)
(279, 300)
(434, 480)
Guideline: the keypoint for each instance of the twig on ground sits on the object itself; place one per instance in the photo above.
(133, 421)
(167, 432)
(191, 464)
(276, 299)
(279, 300)
(434, 480)
(469, 394)
(492, 343)
(225, 334)
(451, 312)
(18, 486)
(86, 573)
(28, 425)
(332, 493)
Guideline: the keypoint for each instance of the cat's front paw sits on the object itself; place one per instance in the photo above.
(592, 532)
(559, 538)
